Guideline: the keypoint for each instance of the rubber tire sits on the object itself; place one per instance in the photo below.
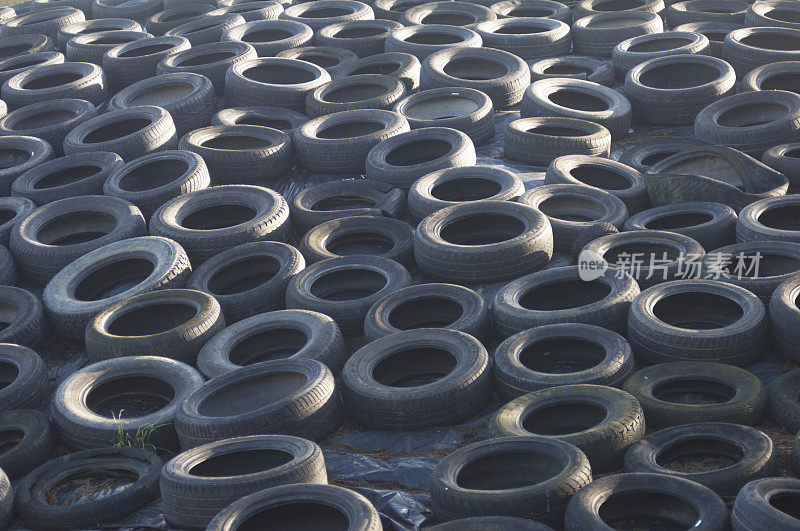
(223, 55)
(781, 396)
(11, 66)
(574, 67)
(647, 154)
(130, 63)
(529, 39)
(90, 47)
(561, 136)
(36, 445)
(750, 228)
(625, 56)
(714, 233)
(28, 388)
(390, 90)
(400, 40)
(759, 15)
(265, 116)
(207, 29)
(403, 66)
(22, 121)
(8, 271)
(296, 12)
(242, 90)
(429, 13)
(533, 9)
(784, 320)
(714, 31)
(366, 235)
(45, 23)
(298, 35)
(745, 57)
(482, 523)
(728, 11)
(24, 153)
(335, 60)
(752, 509)
(164, 21)
(28, 327)
(92, 26)
(597, 36)
(779, 158)
(584, 8)
(25, 44)
(90, 85)
(363, 37)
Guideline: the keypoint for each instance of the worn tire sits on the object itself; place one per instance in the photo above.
(26, 385)
(210, 60)
(48, 120)
(712, 225)
(539, 140)
(35, 442)
(28, 325)
(84, 81)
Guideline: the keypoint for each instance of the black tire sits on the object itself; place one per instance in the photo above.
(307, 404)
(84, 81)
(302, 506)
(750, 450)
(647, 154)
(91, 26)
(538, 141)
(264, 82)
(388, 383)
(84, 422)
(401, 160)
(452, 186)
(90, 47)
(560, 354)
(748, 48)
(340, 199)
(771, 76)
(8, 271)
(686, 392)
(346, 288)
(129, 63)
(209, 221)
(327, 13)
(464, 14)
(33, 441)
(714, 31)
(194, 489)
(761, 504)
(16, 64)
(25, 45)
(283, 334)
(139, 11)
(777, 13)
(70, 176)
(363, 37)
(206, 29)
(393, 9)
(705, 321)
(150, 181)
(780, 158)
(483, 479)
(335, 61)
(527, 38)
(784, 410)
(467, 110)
(12, 211)
(163, 21)
(145, 466)
(559, 295)
(27, 325)
(57, 233)
(728, 11)
(20, 154)
(459, 67)
(403, 66)
(610, 176)
(574, 67)
(712, 225)
(368, 91)
(340, 142)
(252, 11)
(25, 383)
(48, 120)
(533, 9)
(674, 89)
(45, 23)
(275, 117)
(108, 275)
(210, 60)
(270, 37)
(482, 523)
(360, 235)
(597, 35)
(773, 219)
(646, 498)
(424, 40)
(570, 98)
(483, 241)
(784, 320)
(249, 279)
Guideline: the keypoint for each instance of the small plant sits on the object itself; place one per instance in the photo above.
(141, 439)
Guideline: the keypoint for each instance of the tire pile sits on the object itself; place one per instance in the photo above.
(266, 223)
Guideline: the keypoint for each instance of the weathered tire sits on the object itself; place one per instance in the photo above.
(780, 158)
(533, 9)
(363, 37)
(130, 63)
(27, 326)
(319, 14)
(597, 35)
(34, 441)
(91, 26)
(714, 31)
(647, 154)
(712, 225)
(84, 81)
(424, 40)
(335, 61)
(45, 23)
(25, 378)
(210, 60)
(575, 67)
(90, 47)
(464, 14)
(785, 319)
(748, 48)
(784, 410)
(538, 141)
(48, 120)
(760, 504)
(729, 11)
(772, 219)
(16, 64)
(403, 66)
(275, 117)
(206, 29)
(20, 154)
(163, 21)
(527, 38)
(368, 91)
(270, 37)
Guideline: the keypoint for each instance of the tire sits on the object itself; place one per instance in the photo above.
(360, 235)
(308, 406)
(735, 341)
(252, 11)
(585, 8)
(171, 322)
(27, 325)
(751, 450)
(471, 242)
(8, 271)
(529, 39)
(441, 69)
(274, 117)
(464, 14)
(90, 47)
(424, 40)
(20, 154)
(348, 138)
(369, 91)
(13, 210)
(82, 425)
(387, 383)
(538, 141)
(771, 76)
(170, 18)
(646, 498)
(335, 61)
(758, 504)
(573, 67)
(769, 219)
(25, 44)
(598, 35)
(85, 223)
(244, 85)
(586, 354)
(267, 219)
(34, 441)
(784, 317)
(45, 23)
(86, 82)
(481, 523)
(93, 26)
(615, 113)
(206, 29)
(728, 11)
(572, 208)
(783, 408)
(777, 13)
(270, 37)
(138, 11)
(714, 31)
(393, 9)
(341, 11)
(48, 120)
(283, 334)
(467, 110)
(712, 225)
(64, 177)
(152, 180)
(184, 486)
(25, 382)
(362, 37)
(341, 199)
(346, 288)
(453, 186)
(111, 274)
(564, 298)
(136, 61)
(248, 279)
(647, 154)
(403, 66)
(143, 465)
(622, 181)
(14, 65)
(780, 158)
(532, 9)
(210, 60)
(303, 505)
(687, 392)
(401, 160)
(748, 48)
(461, 487)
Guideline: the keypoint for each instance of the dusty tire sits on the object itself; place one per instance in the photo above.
(25, 383)
(538, 141)
(129, 63)
(336, 60)
(424, 40)
(748, 48)
(210, 60)
(785, 319)
(771, 219)
(403, 66)
(529, 39)
(207, 29)
(712, 225)
(250, 83)
(21, 153)
(261, 35)
(597, 35)
(574, 67)
(368, 91)
(326, 13)
(66, 80)
(11, 66)
(363, 37)
(28, 325)
(37, 119)
(728, 11)
(783, 408)
(758, 504)
(35, 441)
